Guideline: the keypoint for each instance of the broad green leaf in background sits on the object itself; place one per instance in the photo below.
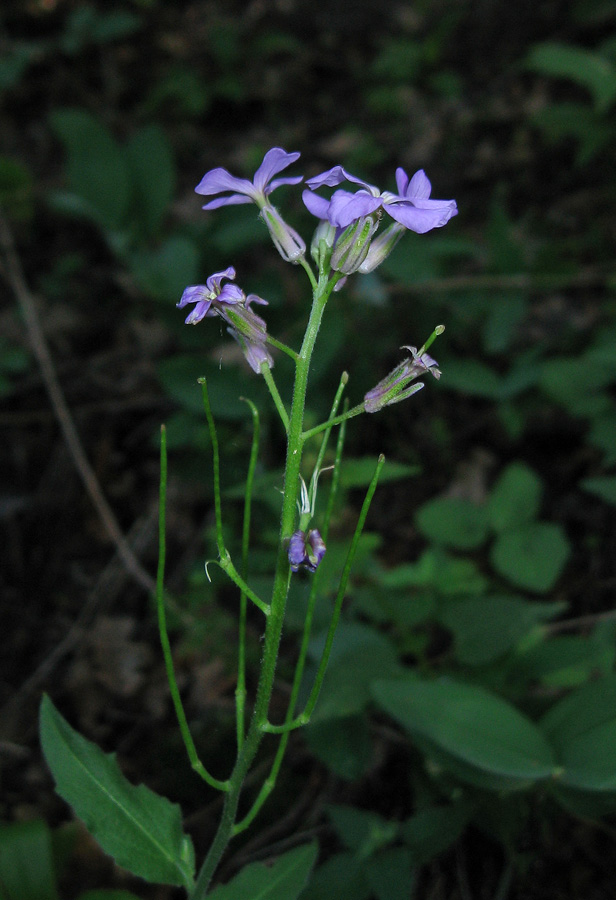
(343, 745)
(283, 880)
(582, 730)
(163, 273)
(590, 70)
(178, 376)
(341, 877)
(153, 177)
(96, 167)
(432, 830)
(471, 376)
(485, 628)
(356, 473)
(577, 384)
(603, 486)
(568, 660)
(515, 498)
(362, 831)
(453, 522)
(27, 870)
(486, 734)
(390, 874)
(107, 895)
(139, 829)
(531, 557)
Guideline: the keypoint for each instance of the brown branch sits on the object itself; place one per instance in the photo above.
(15, 277)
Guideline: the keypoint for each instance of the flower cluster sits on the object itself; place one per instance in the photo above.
(230, 303)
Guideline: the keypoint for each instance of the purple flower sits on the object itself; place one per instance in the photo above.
(305, 550)
(210, 297)
(410, 207)
(240, 190)
(219, 181)
(231, 303)
(397, 385)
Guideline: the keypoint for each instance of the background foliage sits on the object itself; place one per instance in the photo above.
(481, 604)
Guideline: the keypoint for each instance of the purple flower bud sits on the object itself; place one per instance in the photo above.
(351, 248)
(397, 385)
(287, 241)
(306, 550)
(381, 247)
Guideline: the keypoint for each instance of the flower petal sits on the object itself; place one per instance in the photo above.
(417, 188)
(422, 220)
(274, 161)
(345, 207)
(218, 180)
(318, 206)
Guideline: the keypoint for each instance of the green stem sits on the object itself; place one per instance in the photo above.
(337, 420)
(314, 694)
(304, 717)
(268, 785)
(269, 380)
(215, 465)
(279, 344)
(164, 634)
(240, 690)
(274, 623)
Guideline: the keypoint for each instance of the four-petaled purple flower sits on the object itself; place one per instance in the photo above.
(305, 550)
(287, 241)
(411, 207)
(219, 181)
(231, 303)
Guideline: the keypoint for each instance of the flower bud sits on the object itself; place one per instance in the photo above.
(306, 550)
(353, 245)
(381, 247)
(397, 385)
(286, 240)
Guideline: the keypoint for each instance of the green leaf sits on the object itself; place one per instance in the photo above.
(588, 69)
(27, 870)
(390, 874)
(153, 177)
(453, 522)
(284, 880)
(432, 830)
(356, 473)
(439, 570)
(565, 661)
(577, 384)
(515, 498)
(472, 727)
(96, 168)
(139, 829)
(532, 557)
(343, 745)
(485, 628)
(163, 273)
(582, 731)
(107, 895)
(178, 376)
(361, 830)
(340, 877)
(470, 376)
(603, 486)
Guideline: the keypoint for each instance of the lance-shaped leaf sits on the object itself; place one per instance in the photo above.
(139, 829)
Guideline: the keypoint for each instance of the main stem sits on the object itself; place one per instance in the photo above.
(274, 622)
